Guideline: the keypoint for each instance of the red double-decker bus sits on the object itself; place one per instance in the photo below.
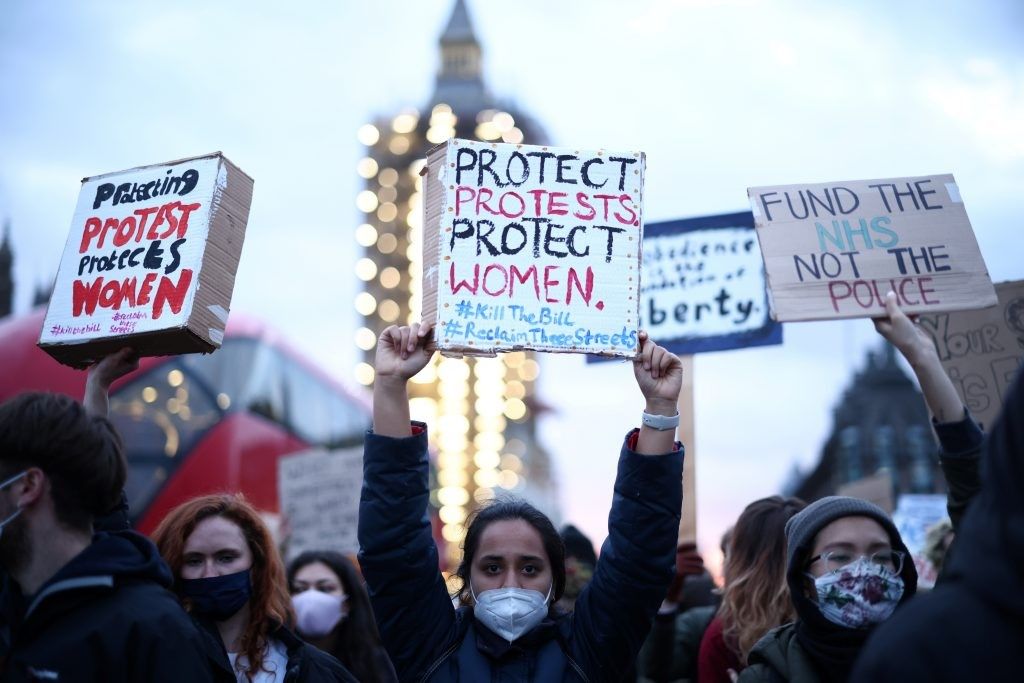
(196, 424)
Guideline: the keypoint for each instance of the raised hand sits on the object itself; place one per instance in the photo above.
(403, 351)
(659, 374)
(104, 373)
(917, 347)
(903, 332)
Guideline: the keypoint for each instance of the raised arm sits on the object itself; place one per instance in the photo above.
(97, 402)
(401, 353)
(397, 553)
(917, 347)
(614, 613)
(104, 373)
(959, 435)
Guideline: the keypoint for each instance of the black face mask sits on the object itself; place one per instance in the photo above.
(218, 597)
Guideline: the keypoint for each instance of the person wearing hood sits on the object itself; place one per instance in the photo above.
(971, 626)
(513, 566)
(79, 606)
(847, 571)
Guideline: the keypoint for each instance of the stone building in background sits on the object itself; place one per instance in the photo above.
(481, 411)
(881, 423)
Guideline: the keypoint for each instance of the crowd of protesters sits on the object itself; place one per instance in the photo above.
(812, 591)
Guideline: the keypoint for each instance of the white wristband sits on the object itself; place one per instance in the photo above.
(662, 423)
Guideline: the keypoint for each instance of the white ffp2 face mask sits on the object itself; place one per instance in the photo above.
(316, 612)
(510, 612)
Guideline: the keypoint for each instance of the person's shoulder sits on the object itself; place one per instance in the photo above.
(778, 656)
(318, 666)
(944, 634)
(314, 665)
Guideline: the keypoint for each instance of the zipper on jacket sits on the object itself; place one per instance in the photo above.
(447, 653)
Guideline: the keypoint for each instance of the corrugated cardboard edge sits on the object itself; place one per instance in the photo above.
(229, 216)
(434, 201)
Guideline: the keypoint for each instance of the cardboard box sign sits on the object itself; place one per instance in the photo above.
(150, 261)
(982, 351)
(319, 495)
(531, 247)
(833, 250)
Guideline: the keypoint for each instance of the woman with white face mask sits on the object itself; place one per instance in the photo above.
(513, 567)
(332, 612)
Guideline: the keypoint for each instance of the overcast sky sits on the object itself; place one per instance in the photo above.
(721, 95)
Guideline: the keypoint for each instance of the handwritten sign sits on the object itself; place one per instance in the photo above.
(833, 250)
(982, 351)
(319, 494)
(150, 261)
(703, 287)
(532, 248)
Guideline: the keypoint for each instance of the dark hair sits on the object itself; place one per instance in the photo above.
(578, 545)
(80, 454)
(358, 641)
(509, 509)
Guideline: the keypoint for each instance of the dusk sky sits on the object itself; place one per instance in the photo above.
(720, 95)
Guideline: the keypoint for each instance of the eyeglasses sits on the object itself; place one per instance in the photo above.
(835, 560)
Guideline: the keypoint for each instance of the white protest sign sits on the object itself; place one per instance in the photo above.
(150, 261)
(531, 247)
(319, 494)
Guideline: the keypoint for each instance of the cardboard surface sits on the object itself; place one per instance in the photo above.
(687, 435)
(319, 494)
(982, 350)
(532, 248)
(150, 261)
(833, 250)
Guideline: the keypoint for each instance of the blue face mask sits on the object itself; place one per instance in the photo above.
(218, 597)
(17, 511)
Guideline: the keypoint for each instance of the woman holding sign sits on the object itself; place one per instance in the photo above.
(513, 569)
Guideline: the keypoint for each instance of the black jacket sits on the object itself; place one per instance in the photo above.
(971, 627)
(429, 640)
(306, 664)
(107, 615)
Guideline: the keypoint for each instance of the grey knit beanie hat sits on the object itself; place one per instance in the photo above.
(805, 525)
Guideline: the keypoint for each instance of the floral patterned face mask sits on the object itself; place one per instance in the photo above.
(858, 595)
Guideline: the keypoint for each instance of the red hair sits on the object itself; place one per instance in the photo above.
(270, 604)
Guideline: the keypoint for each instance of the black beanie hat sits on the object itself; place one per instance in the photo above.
(805, 525)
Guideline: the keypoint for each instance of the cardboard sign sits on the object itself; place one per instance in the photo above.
(833, 250)
(150, 261)
(319, 494)
(532, 248)
(982, 351)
